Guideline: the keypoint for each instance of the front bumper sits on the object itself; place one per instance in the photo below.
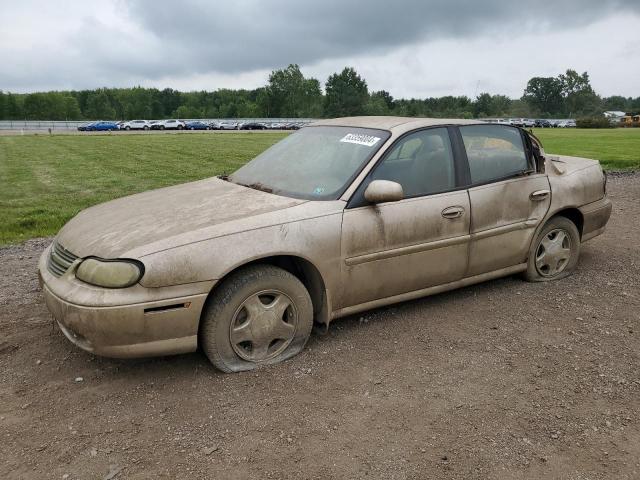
(125, 323)
(595, 217)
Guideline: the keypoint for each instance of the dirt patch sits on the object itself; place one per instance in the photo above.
(501, 380)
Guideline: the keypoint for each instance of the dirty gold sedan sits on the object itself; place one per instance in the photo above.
(343, 216)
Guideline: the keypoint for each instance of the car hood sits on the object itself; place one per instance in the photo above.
(112, 229)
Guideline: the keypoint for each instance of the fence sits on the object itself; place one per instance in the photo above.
(45, 125)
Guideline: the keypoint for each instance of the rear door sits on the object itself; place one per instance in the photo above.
(508, 197)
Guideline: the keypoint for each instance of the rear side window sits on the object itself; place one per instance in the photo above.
(494, 152)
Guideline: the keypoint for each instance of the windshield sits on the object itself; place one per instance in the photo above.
(315, 163)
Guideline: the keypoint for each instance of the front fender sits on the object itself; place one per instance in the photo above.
(317, 240)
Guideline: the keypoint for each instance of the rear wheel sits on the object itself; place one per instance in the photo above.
(260, 315)
(127, 128)
(554, 254)
(146, 127)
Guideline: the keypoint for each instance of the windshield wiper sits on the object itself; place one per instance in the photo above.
(257, 186)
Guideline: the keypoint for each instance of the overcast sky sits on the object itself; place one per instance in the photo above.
(412, 48)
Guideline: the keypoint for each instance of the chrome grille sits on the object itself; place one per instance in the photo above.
(60, 259)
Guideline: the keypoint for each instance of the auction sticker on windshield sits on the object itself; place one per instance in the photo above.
(360, 139)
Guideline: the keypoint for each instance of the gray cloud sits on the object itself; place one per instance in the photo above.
(243, 35)
(91, 44)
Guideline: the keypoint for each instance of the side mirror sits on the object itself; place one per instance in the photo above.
(380, 191)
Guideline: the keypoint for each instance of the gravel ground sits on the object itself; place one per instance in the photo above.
(501, 380)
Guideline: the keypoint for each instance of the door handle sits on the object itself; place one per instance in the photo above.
(452, 212)
(539, 195)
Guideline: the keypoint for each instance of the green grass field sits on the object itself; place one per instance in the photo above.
(45, 180)
(616, 148)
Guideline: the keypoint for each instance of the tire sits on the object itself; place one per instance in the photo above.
(127, 128)
(276, 297)
(554, 253)
(146, 127)
(161, 127)
(180, 127)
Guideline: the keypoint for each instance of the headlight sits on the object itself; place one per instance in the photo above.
(110, 273)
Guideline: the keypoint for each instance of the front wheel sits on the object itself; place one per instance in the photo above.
(146, 127)
(260, 315)
(554, 253)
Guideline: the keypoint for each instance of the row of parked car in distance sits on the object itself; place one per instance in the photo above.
(531, 123)
(172, 124)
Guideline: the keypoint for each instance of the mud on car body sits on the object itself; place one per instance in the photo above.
(340, 217)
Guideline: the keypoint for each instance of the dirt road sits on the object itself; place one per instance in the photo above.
(505, 380)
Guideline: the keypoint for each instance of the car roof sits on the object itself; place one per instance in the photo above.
(392, 123)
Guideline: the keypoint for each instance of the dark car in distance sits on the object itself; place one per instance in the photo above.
(542, 123)
(196, 125)
(253, 126)
(85, 126)
(102, 127)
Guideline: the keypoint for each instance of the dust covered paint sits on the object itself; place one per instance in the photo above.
(348, 253)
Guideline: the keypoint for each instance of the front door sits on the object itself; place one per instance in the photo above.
(397, 247)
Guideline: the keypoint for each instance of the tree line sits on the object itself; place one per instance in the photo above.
(289, 94)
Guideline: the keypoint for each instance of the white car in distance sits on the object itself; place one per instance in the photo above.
(498, 121)
(136, 125)
(228, 125)
(169, 125)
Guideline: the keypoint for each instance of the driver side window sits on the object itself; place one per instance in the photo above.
(422, 162)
